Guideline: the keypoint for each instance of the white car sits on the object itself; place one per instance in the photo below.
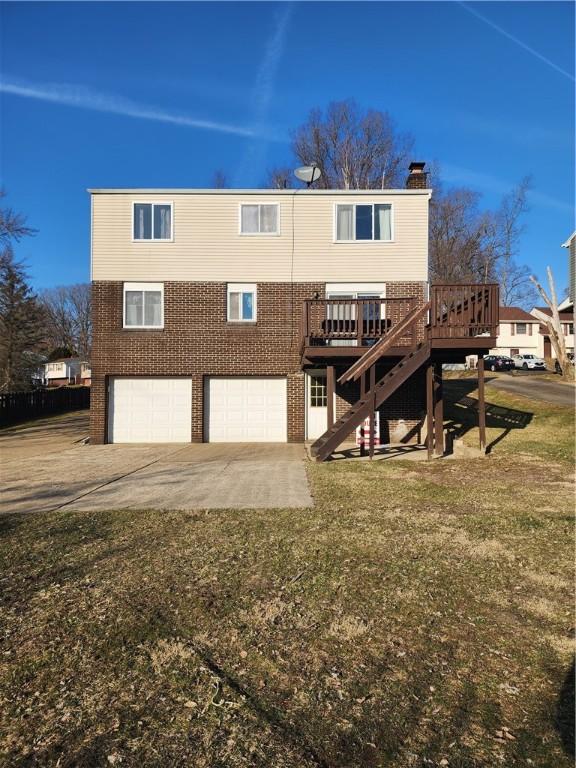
(529, 361)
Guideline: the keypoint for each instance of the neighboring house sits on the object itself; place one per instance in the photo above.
(571, 245)
(566, 312)
(85, 374)
(518, 333)
(229, 315)
(67, 370)
(58, 373)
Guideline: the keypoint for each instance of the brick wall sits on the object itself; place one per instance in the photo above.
(197, 341)
(401, 416)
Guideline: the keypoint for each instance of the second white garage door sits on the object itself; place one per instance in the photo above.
(246, 410)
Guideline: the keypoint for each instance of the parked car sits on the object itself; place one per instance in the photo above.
(557, 365)
(529, 362)
(498, 363)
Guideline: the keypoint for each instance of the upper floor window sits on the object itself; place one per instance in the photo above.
(569, 329)
(521, 328)
(241, 302)
(259, 219)
(143, 305)
(152, 221)
(363, 221)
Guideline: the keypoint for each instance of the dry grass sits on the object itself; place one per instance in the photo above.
(419, 615)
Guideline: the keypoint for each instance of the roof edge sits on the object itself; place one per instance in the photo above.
(287, 192)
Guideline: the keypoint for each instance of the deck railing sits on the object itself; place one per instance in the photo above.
(358, 322)
(456, 312)
(463, 311)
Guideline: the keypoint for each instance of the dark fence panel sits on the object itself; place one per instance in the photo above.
(21, 406)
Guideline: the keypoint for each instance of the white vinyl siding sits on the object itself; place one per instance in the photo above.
(246, 410)
(143, 305)
(207, 247)
(150, 410)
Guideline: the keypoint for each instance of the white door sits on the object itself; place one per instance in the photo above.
(316, 404)
(246, 410)
(155, 410)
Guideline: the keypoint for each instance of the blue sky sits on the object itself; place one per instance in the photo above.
(161, 95)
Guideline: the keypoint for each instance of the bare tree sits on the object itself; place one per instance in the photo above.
(461, 238)
(21, 317)
(68, 313)
(13, 227)
(280, 178)
(516, 289)
(354, 149)
(553, 324)
(220, 180)
(515, 286)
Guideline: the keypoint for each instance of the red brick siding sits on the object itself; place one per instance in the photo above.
(197, 341)
(401, 416)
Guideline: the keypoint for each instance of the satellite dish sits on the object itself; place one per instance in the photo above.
(308, 173)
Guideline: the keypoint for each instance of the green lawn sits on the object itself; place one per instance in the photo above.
(419, 615)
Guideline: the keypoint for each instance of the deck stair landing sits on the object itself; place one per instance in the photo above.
(382, 390)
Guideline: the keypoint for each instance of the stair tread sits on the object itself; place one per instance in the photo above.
(343, 425)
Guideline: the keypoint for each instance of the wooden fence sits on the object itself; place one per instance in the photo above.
(21, 406)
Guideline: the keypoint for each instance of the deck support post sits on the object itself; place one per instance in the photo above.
(481, 405)
(430, 409)
(330, 395)
(373, 408)
(362, 396)
(438, 411)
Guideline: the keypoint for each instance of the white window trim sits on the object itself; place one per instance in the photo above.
(143, 287)
(354, 204)
(258, 234)
(154, 239)
(242, 288)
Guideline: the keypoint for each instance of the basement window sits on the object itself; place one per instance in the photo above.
(152, 221)
(241, 302)
(143, 305)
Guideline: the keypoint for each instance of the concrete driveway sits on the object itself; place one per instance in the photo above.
(529, 385)
(44, 467)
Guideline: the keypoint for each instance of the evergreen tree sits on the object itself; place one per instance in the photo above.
(21, 316)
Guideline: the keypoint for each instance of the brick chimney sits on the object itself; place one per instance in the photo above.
(417, 176)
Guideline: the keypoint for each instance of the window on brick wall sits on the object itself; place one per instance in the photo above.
(152, 221)
(241, 302)
(143, 305)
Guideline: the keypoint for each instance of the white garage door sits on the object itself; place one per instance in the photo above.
(150, 411)
(246, 410)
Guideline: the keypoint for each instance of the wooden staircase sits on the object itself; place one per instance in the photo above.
(378, 393)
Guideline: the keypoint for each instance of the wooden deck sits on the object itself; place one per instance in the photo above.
(462, 320)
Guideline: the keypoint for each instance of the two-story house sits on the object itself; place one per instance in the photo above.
(64, 371)
(238, 315)
(518, 333)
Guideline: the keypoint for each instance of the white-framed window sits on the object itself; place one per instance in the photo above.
(318, 391)
(151, 221)
(361, 222)
(521, 329)
(241, 302)
(259, 218)
(143, 305)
